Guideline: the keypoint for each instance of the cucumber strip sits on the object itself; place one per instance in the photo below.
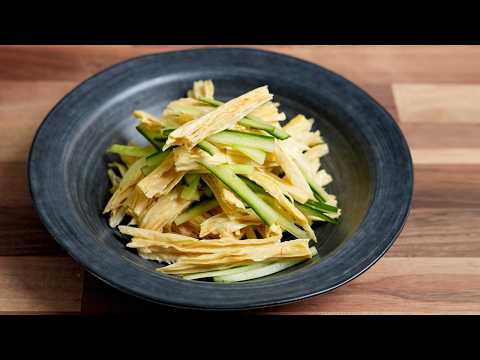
(253, 185)
(207, 147)
(266, 213)
(190, 192)
(321, 206)
(234, 183)
(186, 109)
(129, 150)
(257, 123)
(267, 268)
(163, 134)
(239, 168)
(204, 145)
(190, 178)
(288, 225)
(196, 210)
(232, 137)
(253, 122)
(310, 211)
(152, 161)
(150, 136)
(283, 219)
(256, 155)
(210, 101)
(231, 271)
(320, 194)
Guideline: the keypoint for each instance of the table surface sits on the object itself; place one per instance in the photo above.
(432, 91)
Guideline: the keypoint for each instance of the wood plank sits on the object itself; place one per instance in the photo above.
(402, 286)
(386, 64)
(447, 186)
(66, 62)
(23, 106)
(441, 136)
(40, 283)
(446, 156)
(439, 233)
(22, 233)
(438, 103)
(14, 184)
(383, 64)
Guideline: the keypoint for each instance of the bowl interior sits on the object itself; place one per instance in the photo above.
(111, 122)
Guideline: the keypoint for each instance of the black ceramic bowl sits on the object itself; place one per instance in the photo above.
(369, 160)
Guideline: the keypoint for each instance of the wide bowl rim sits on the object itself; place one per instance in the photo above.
(399, 225)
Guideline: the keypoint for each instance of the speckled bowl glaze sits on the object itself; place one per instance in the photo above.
(369, 160)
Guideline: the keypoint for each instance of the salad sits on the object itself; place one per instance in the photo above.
(219, 184)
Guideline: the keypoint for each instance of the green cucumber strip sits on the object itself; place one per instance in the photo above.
(267, 268)
(233, 137)
(320, 194)
(196, 210)
(234, 183)
(207, 147)
(190, 178)
(231, 271)
(266, 213)
(310, 211)
(185, 109)
(150, 136)
(162, 137)
(152, 161)
(163, 134)
(129, 150)
(257, 123)
(283, 218)
(210, 101)
(255, 154)
(321, 206)
(122, 169)
(253, 185)
(252, 121)
(288, 225)
(190, 192)
(239, 168)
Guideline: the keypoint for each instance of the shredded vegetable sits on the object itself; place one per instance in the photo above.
(218, 184)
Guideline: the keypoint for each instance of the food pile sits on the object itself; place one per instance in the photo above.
(218, 184)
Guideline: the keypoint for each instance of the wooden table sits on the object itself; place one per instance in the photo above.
(432, 91)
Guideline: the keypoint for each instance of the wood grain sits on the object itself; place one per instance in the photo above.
(439, 233)
(438, 103)
(432, 91)
(422, 136)
(40, 283)
(403, 286)
(447, 186)
(23, 106)
(447, 156)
